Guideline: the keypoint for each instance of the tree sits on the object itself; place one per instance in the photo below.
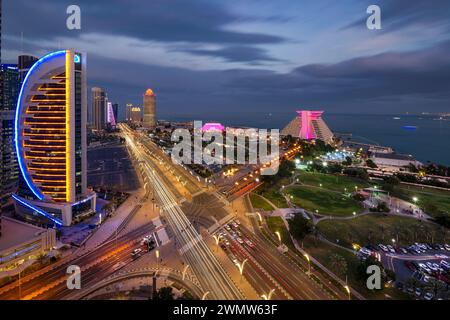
(371, 164)
(435, 286)
(348, 161)
(165, 293)
(299, 226)
(338, 264)
(187, 295)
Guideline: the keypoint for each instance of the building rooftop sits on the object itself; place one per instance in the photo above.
(393, 156)
(15, 232)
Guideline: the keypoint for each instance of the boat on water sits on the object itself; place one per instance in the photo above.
(396, 118)
(409, 127)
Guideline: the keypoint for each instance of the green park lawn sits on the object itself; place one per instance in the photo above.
(332, 182)
(260, 203)
(327, 202)
(277, 224)
(432, 200)
(378, 228)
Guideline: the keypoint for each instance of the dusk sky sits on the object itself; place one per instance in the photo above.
(201, 56)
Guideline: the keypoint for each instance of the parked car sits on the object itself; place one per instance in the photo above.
(240, 240)
(418, 292)
(428, 296)
(249, 243)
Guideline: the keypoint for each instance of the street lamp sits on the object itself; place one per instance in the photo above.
(278, 235)
(157, 259)
(415, 199)
(217, 238)
(204, 295)
(269, 296)
(241, 267)
(260, 217)
(185, 271)
(347, 288)
(309, 263)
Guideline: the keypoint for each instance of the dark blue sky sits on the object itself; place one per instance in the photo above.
(205, 57)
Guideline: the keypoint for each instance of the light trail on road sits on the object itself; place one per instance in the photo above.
(207, 269)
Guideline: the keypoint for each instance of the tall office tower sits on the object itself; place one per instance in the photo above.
(309, 125)
(136, 115)
(8, 162)
(9, 86)
(25, 62)
(149, 109)
(128, 111)
(98, 108)
(115, 108)
(50, 141)
(110, 115)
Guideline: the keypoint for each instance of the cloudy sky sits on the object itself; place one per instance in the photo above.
(205, 57)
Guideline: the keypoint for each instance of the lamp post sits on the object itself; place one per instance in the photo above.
(347, 288)
(204, 295)
(157, 259)
(184, 271)
(241, 267)
(217, 239)
(309, 263)
(278, 235)
(268, 296)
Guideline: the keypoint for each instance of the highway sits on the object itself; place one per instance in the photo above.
(205, 266)
(95, 265)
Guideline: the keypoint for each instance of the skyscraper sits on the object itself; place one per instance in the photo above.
(9, 86)
(50, 140)
(115, 107)
(110, 115)
(309, 125)
(25, 62)
(136, 115)
(98, 108)
(149, 109)
(128, 112)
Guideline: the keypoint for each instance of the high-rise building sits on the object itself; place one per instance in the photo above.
(149, 109)
(115, 107)
(136, 115)
(8, 163)
(110, 115)
(9, 86)
(98, 108)
(25, 62)
(128, 111)
(309, 125)
(50, 141)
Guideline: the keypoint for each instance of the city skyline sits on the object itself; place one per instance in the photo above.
(252, 56)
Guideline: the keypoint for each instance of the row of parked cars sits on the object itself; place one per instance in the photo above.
(236, 234)
(417, 248)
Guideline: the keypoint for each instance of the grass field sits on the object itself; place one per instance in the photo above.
(432, 200)
(332, 182)
(326, 201)
(259, 203)
(273, 194)
(374, 229)
(277, 224)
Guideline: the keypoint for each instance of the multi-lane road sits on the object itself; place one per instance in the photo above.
(198, 255)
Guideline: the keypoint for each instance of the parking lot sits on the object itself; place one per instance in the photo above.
(422, 269)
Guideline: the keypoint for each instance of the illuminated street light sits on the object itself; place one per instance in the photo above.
(241, 267)
(309, 263)
(347, 288)
(354, 213)
(278, 235)
(204, 295)
(269, 296)
(217, 238)
(260, 217)
(415, 199)
(185, 271)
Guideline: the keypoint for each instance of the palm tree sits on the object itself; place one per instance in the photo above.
(435, 286)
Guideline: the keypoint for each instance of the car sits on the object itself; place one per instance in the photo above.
(424, 268)
(227, 227)
(136, 253)
(237, 221)
(418, 292)
(447, 247)
(444, 263)
(227, 243)
(432, 266)
(249, 243)
(404, 251)
(234, 225)
(233, 234)
(410, 290)
(428, 296)
(391, 248)
(240, 240)
(383, 247)
(239, 233)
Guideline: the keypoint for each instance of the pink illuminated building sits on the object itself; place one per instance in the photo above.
(110, 115)
(213, 127)
(309, 125)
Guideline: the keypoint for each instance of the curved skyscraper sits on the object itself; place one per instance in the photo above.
(149, 109)
(50, 139)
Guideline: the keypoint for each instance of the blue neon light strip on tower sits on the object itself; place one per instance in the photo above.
(38, 210)
(18, 146)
